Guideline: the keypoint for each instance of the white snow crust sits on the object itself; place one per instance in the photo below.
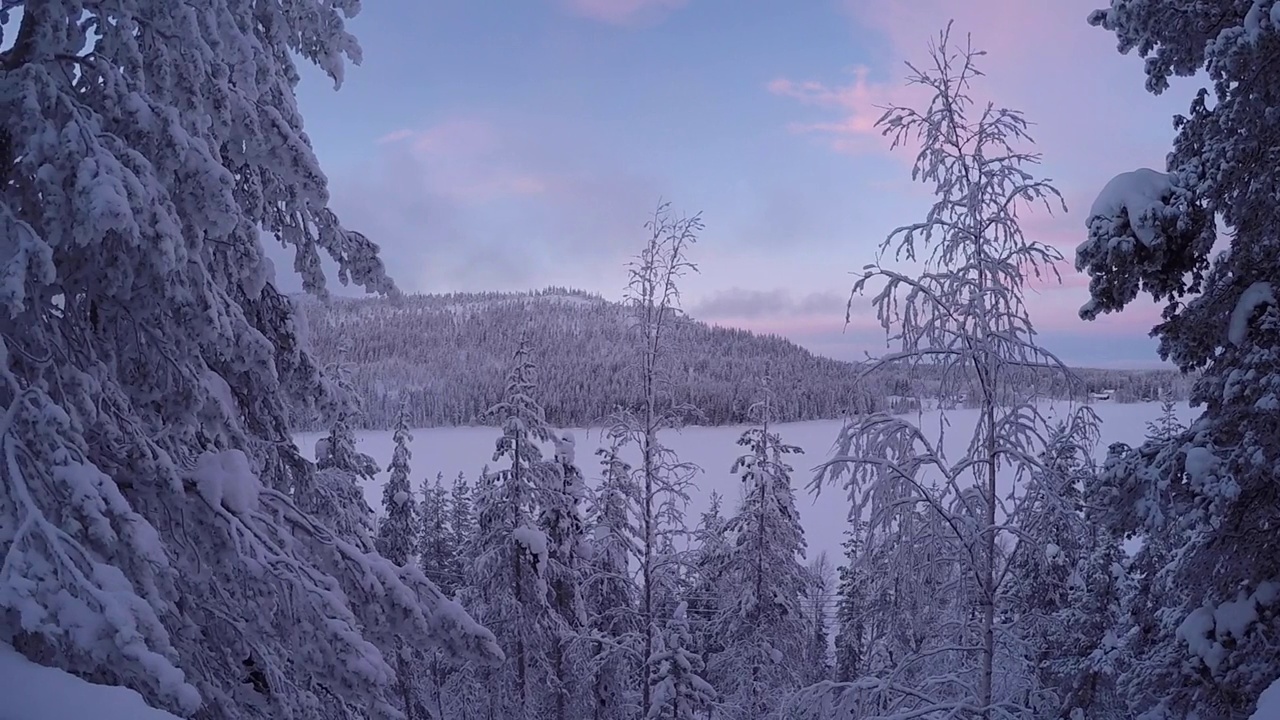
(532, 540)
(1136, 193)
(1269, 701)
(1206, 627)
(1259, 293)
(1201, 463)
(226, 479)
(36, 692)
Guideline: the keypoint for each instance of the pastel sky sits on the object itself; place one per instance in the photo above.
(512, 145)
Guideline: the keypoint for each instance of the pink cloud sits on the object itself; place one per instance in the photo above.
(1042, 57)
(859, 105)
(623, 13)
(1091, 116)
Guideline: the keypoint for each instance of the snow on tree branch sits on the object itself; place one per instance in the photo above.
(930, 528)
(150, 508)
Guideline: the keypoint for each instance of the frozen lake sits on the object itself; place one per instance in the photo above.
(467, 449)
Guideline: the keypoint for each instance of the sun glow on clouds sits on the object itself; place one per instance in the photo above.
(1042, 58)
(859, 105)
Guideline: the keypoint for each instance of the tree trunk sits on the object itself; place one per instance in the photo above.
(646, 611)
(402, 671)
(650, 431)
(762, 479)
(597, 707)
(560, 679)
(989, 574)
(518, 575)
(437, 674)
(986, 375)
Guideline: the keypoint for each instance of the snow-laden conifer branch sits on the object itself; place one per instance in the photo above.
(1197, 494)
(137, 181)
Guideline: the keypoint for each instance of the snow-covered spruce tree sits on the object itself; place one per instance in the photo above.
(1096, 617)
(508, 585)
(707, 594)
(467, 692)
(398, 530)
(436, 549)
(1167, 427)
(461, 525)
(436, 555)
(851, 611)
(609, 589)
(1151, 580)
(963, 319)
(1148, 589)
(336, 496)
(670, 576)
(150, 489)
(653, 297)
(1211, 496)
(822, 585)
(397, 540)
(560, 517)
(764, 628)
(447, 526)
(1042, 574)
(566, 526)
(679, 691)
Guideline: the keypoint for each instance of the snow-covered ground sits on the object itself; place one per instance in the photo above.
(33, 692)
(1268, 704)
(825, 517)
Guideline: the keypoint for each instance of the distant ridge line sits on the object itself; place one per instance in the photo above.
(446, 353)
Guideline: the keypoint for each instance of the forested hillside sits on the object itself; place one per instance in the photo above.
(446, 354)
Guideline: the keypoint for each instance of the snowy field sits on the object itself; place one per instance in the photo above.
(468, 449)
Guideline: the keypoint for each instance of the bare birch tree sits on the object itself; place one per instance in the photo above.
(961, 318)
(662, 480)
